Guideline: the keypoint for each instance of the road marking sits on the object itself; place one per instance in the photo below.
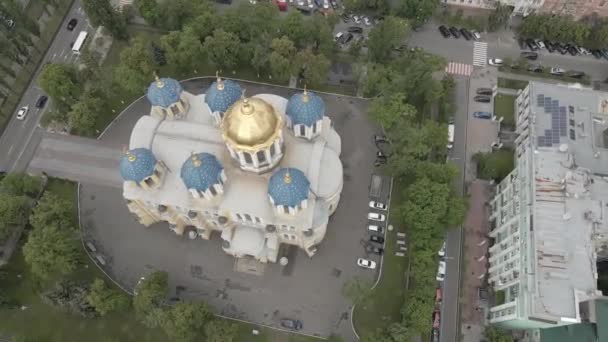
(480, 53)
(10, 149)
(459, 69)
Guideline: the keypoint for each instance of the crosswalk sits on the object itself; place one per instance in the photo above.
(459, 69)
(480, 53)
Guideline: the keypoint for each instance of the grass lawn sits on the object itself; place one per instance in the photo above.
(545, 74)
(504, 105)
(512, 84)
(384, 305)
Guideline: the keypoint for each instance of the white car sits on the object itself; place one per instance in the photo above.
(366, 263)
(377, 205)
(374, 228)
(476, 35)
(557, 71)
(441, 271)
(310, 4)
(376, 217)
(495, 61)
(338, 35)
(301, 3)
(366, 21)
(21, 113)
(540, 43)
(357, 19)
(253, 2)
(441, 252)
(326, 4)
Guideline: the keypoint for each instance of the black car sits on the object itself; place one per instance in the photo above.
(355, 29)
(374, 249)
(561, 48)
(292, 324)
(532, 44)
(484, 91)
(345, 17)
(347, 38)
(596, 53)
(604, 53)
(376, 238)
(380, 139)
(550, 47)
(444, 31)
(466, 34)
(41, 101)
(379, 162)
(572, 50)
(455, 32)
(334, 4)
(72, 24)
(529, 55)
(482, 98)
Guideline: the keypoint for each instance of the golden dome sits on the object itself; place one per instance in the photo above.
(251, 124)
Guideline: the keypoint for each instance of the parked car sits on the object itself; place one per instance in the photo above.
(532, 44)
(583, 51)
(345, 17)
(435, 335)
(41, 101)
(482, 115)
(535, 68)
(355, 29)
(529, 55)
(575, 74)
(293, 324)
(72, 24)
(380, 139)
(441, 252)
(338, 36)
(557, 71)
(367, 21)
(596, 53)
(604, 53)
(374, 249)
(377, 205)
(522, 44)
(550, 46)
(376, 239)
(22, 112)
(455, 32)
(444, 31)
(476, 35)
(326, 4)
(466, 34)
(540, 44)
(334, 4)
(572, 50)
(374, 228)
(560, 48)
(357, 19)
(495, 61)
(376, 217)
(366, 263)
(347, 38)
(482, 98)
(441, 271)
(380, 154)
(484, 91)
(436, 320)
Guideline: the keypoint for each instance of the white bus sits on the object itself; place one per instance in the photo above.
(82, 37)
(450, 136)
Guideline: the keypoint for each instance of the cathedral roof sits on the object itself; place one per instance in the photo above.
(305, 108)
(164, 92)
(222, 94)
(288, 187)
(137, 164)
(201, 171)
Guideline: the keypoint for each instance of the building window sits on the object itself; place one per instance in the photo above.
(248, 217)
(247, 157)
(257, 220)
(302, 130)
(286, 236)
(314, 128)
(156, 172)
(261, 156)
(272, 150)
(239, 217)
(149, 181)
(212, 190)
(286, 209)
(572, 134)
(174, 109)
(572, 122)
(571, 109)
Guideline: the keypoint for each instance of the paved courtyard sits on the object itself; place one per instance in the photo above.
(306, 289)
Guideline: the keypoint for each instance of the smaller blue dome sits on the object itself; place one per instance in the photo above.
(164, 92)
(305, 108)
(222, 94)
(201, 171)
(288, 187)
(137, 164)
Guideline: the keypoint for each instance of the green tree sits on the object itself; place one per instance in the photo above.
(149, 295)
(357, 290)
(60, 82)
(221, 330)
(494, 334)
(418, 11)
(496, 165)
(102, 13)
(385, 36)
(13, 211)
(105, 299)
(136, 66)
(392, 112)
(7, 70)
(53, 210)
(184, 321)
(222, 49)
(183, 49)
(295, 28)
(84, 113)
(18, 184)
(51, 250)
(203, 25)
(149, 10)
(499, 17)
(312, 68)
(280, 59)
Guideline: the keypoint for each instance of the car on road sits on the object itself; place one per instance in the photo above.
(22, 112)
(482, 115)
(376, 217)
(482, 98)
(72, 24)
(441, 271)
(347, 38)
(444, 31)
(366, 263)
(376, 239)
(495, 61)
(374, 249)
(355, 29)
(529, 55)
(293, 324)
(455, 32)
(377, 205)
(466, 34)
(484, 91)
(575, 74)
(557, 71)
(374, 228)
(441, 252)
(41, 101)
(535, 68)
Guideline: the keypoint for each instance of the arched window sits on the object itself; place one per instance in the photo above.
(247, 157)
(302, 130)
(212, 190)
(272, 150)
(261, 156)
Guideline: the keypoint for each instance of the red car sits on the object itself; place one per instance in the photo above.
(282, 5)
(436, 319)
(438, 295)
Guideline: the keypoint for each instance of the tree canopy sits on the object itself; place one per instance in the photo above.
(222, 49)
(18, 184)
(53, 210)
(136, 67)
(149, 295)
(105, 299)
(185, 320)
(101, 12)
(13, 211)
(60, 82)
(385, 36)
(221, 330)
(51, 250)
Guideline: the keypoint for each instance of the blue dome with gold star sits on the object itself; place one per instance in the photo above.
(288, 187)
(201, 171)
(222, 94)
(164, 92)
(137, 164)
(305, 108)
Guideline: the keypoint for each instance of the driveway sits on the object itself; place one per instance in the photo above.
(306, 289)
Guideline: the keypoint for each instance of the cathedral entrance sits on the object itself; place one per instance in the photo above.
(249, 265)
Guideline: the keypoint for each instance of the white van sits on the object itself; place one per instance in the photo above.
(374, 228)
(338, 35)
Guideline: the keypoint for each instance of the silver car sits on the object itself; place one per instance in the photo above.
(21, 113)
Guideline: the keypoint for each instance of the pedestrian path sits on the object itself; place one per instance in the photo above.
(480, 53)
(459, 69)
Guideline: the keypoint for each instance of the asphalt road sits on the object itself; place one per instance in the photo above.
(17, 138)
